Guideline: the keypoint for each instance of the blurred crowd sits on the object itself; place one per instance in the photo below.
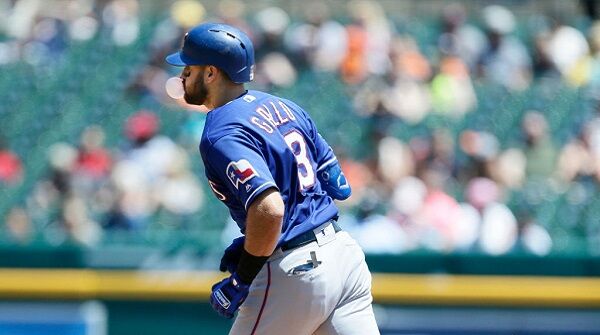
(444, 191)
(37, 32)
(91, 188)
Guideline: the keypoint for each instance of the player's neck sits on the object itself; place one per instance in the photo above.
(224, 95)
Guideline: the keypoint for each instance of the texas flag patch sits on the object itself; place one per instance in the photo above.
(240, 172)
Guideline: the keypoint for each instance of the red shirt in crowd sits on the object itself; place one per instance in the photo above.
(10, 167)
(95, 163)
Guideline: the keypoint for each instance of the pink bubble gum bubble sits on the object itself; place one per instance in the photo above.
(174, 87)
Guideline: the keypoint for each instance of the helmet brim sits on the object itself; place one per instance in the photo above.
(176, 59)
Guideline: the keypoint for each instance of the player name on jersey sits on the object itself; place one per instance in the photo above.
(271, 116)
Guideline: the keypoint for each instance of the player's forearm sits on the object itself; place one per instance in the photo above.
(263, 223)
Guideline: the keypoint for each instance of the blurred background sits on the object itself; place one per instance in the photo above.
(469, 131)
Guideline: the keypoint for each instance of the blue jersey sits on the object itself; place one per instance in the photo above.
(259, 141)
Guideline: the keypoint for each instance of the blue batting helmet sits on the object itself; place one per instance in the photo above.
(221, 45)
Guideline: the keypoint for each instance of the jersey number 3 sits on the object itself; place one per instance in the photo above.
(297, 144)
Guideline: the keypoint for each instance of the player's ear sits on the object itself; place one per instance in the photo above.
(210, 73)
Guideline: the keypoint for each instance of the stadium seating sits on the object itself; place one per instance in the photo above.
(87, 86)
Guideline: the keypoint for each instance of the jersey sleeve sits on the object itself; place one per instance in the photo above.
(324, 153)
(239, 165)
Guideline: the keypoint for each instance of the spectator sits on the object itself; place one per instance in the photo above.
(274, 67)
(539, 151)
(93, 160)
(320, 41)
(179, 191)
(498, 233)
(232, 12)
(11, 170)
(145, 163)
(402, 92)
(360, 176)
(353, 69)
(135, 203)
(90, 175)
(18, 226)
(394, 161)
(534, 237)
(122, 17)
(78, 224)
(508, 169)
(407, 95)
(407, 202)
(63, 159)
(442, 156)
(83, 25)
(543, 65)
(272, 23)
(370, 225)
(187, 13)
(434, 153)
(568, 50)
(451, 89)
(373, 18)
(481, 148)
(505, 60)
(577, 159)
(460, 38)
(152, 151)
(437, 218)
(594, 38)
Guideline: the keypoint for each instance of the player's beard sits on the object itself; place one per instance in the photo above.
(199, 94)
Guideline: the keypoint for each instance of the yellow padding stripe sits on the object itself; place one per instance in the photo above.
(387, 288)
(88, 284)
(487, 290)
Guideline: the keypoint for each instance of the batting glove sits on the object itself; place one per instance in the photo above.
(231, 256)
(228, 294)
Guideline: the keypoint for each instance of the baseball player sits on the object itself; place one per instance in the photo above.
(294, 271)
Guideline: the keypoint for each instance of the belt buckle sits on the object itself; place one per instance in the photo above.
(324, 234)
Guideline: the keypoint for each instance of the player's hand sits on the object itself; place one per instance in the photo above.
(231, 256)
(228, 294)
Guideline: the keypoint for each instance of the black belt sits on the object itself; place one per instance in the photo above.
(305, 238)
